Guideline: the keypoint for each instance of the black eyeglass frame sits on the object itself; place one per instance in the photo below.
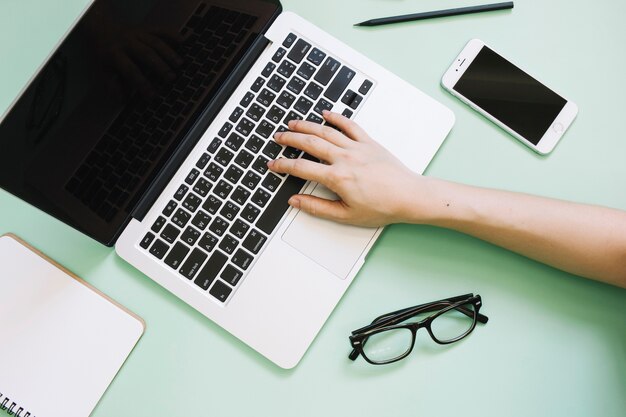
(390, 321)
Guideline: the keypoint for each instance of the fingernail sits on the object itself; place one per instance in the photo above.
(270, 163)
(294, 202)
(278, 135)
(325, 113)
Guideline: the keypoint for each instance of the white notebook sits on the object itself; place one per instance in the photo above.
(62, 341)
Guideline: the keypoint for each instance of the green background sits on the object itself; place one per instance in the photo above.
(555, 343)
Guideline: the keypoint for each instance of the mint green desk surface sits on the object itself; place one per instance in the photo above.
(555, 343)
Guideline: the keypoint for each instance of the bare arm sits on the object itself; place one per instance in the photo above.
(376, 189)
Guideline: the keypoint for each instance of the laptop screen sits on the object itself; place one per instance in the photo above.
(115, 100)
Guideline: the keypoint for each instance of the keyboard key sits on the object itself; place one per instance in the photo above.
(275, 114)
(322, 105)
(316, 56)
(292, 116)
(229, 244)
(306, 70)
(280, 53)
(190, 236)
(233, 174)
(250, 180)
(255, 241)
(296, 85)
(250, 213)
(240, 195)
(213, 172)
(299, 51)
(244, 159)
(203, 161)
(246, 100)
(201, 220)
(365, 87)
(215, 144)
(212, 204)
(285, 99)
(254, 144)
(230, 210)
(313, 91)
(218, 226)
(272, 149)
(258, 83)
(231, 275)
(224, 156)
(236, 114)
(223, 189)
(245, 127)
(271, 181)
(159, 249)
(261, 197)
(260, 165)
(265, 129)
(286, 69)
(315, 119)
(239, 228)
(220, 291)
(224, 130)
(192, 202)
(269, 68)
(170, 233)
(242, 259)
(147, 240)
(211, 269)
(303, 105)
(327, 70)
(289, 40)
(234, 142)
(339, 84)
(193, 175)
(207, 242)
(180, 193)
(180, 218)
(202, 187)
(192, 265)
(176, 255)
(274, 212)
(356, 101)
(276, 83)
(169, 209)
(347, 113)
(266, 97)
(291, 153)
(255, 112)
(158, 224)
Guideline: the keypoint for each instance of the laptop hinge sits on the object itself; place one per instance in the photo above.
(197, 130)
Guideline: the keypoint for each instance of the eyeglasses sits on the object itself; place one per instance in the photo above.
(389, 339)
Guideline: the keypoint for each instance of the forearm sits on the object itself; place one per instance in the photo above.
(585, 240)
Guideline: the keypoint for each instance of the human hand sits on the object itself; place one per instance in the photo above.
(373, 186)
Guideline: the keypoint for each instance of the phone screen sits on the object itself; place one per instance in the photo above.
(510, 95)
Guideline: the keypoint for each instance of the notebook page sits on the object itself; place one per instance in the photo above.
(62, 343)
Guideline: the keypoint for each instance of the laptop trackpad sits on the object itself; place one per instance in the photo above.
(336, 247)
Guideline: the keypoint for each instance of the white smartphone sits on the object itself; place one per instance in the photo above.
(509, 97)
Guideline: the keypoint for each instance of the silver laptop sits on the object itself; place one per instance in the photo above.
(150, 126)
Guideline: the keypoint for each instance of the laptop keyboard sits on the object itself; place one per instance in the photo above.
(223, 213)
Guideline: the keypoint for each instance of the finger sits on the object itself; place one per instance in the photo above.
(320, 207)
(301, 168)
(324, 132)
(349, 127)
(163, 49)
(310, 144)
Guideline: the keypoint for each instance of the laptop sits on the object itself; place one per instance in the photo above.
(149, 128)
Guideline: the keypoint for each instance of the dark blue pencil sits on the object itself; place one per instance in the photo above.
(437, 13)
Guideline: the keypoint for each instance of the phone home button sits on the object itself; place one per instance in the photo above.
(557, 127)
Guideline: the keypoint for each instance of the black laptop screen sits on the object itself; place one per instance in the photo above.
(114, 101)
